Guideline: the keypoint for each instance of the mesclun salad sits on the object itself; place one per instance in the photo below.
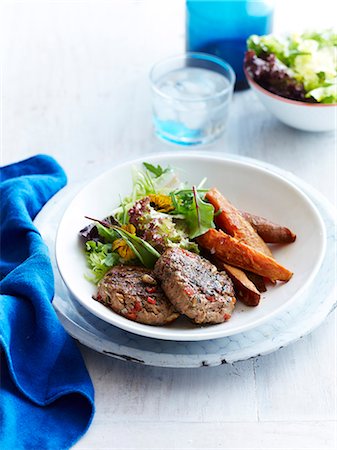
(161, 212)
(173, 249)
(301, 67)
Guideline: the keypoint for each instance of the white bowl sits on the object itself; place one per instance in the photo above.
(250, 188)
(300, 115)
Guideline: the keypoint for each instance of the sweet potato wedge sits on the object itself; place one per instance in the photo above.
(257, 280)
(245, 290)
(230, 220)
(238, 254)
(270, 232)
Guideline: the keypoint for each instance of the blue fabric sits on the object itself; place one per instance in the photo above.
(46, 395)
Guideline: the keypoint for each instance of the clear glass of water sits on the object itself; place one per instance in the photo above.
(191, 97)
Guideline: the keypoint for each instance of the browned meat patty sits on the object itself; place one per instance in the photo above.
(134, 293)
(195, 287)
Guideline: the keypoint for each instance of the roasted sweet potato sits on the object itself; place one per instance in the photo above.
(270, 232)
(231, 220)
(245, 290)
(238, 254)
(257, 280)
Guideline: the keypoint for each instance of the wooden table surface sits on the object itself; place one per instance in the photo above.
(75, 86)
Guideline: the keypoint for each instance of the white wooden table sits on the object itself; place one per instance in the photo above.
(75, 86)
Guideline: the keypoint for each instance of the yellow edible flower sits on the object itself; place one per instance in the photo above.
(122, 247)
(162, 203)
(130, 228)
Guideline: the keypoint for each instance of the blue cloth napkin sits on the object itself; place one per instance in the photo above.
(46, 395)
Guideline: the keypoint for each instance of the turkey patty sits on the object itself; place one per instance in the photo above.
(134, 293)
(195, 287)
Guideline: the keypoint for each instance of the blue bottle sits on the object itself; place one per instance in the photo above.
(221, 27)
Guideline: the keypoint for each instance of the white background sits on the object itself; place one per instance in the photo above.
(75, 86)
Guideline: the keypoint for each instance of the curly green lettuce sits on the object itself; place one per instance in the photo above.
(100, 258)
(310, 59)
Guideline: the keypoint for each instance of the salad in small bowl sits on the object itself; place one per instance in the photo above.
(295, 77)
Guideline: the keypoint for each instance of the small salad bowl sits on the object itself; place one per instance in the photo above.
(297, 114)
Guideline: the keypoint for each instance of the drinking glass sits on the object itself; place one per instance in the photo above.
(191, 96)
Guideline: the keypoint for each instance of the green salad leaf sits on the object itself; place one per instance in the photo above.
(107, 233)
(100, 256)
(100, 259)
(267, 44)
(194, 210)
(157, 171)
(161, 230)
(161, 212)
(326, 94)
(325, 38)
(154, 180)
(309, 58)
(146, 254)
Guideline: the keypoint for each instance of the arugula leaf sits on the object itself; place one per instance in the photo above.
(146, 254)
(157, 171)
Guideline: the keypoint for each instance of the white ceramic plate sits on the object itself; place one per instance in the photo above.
(250, 188)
